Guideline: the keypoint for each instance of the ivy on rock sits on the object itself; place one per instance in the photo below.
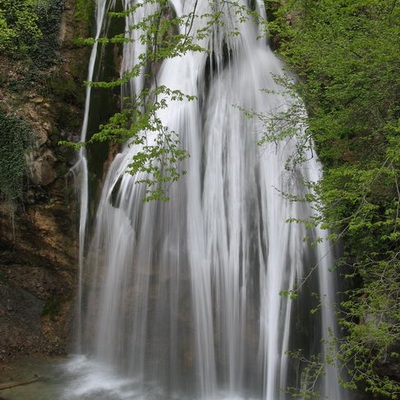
(14, 142)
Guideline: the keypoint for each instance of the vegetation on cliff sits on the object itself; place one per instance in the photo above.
(41, 96)
(346, 55)
(30, 29)
(19, 28)
(14, 143)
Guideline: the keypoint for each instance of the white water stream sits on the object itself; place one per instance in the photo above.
(182, 298)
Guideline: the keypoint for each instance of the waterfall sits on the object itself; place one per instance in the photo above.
(183, 298)
(80, 169)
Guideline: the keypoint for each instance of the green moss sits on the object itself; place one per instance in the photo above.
(49, 18)
(62, 169)
(67, 90)
(85, 11)
(19, 28)
(13, 146)
(3, 276)
(52, 307)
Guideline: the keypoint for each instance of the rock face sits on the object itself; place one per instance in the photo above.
(38, 236)
(37, 270)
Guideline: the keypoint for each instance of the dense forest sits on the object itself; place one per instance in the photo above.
(346, 56)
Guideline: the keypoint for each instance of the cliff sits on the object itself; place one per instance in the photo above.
(38, 232)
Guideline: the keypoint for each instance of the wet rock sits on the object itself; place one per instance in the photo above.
(41, 138)
(41, 167)
(38, 239)
(20, 312)
(38, 100)
(48, 127)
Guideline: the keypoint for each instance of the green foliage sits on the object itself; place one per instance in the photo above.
(372, 325)
(44, 52)
(29, 29)
(312, 369)
(344, 51)
(158, 158)
(84, 10)
(18, 25)
(285, 123)
(346, 54)
(13, 146)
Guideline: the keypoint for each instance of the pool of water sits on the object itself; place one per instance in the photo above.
(27, 369)
(78, 378)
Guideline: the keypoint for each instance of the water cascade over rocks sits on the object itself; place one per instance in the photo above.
(182, 299)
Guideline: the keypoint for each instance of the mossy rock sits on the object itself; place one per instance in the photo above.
(52, 307)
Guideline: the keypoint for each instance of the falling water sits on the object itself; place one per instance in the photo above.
(80, 169)
(183, 298)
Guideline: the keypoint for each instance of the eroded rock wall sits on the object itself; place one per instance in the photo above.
(38, 235)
